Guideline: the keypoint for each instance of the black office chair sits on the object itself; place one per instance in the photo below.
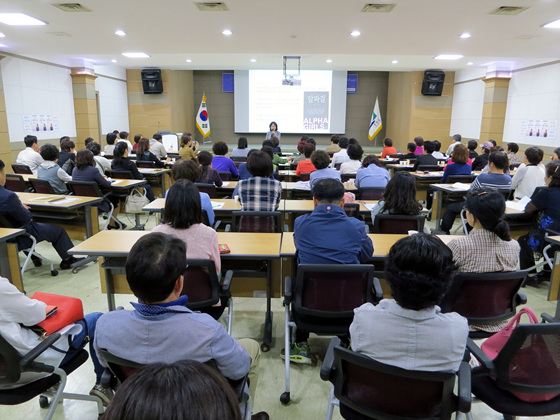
(121, 175)
(353, 210)
(395, 155)
(366, 389)
(337, 166)
(21, 169)
(91, 189)
(370, 193)
(209, 189)
(224, 175)
(466, 179)
(346, 177)
(145, 164)
(204, 290)
(398, 224)
(305, 176)
(430, 168)
(41, 186)
(257, 221)
(13, 365)
(322, 298)
(485, 298)
(15, 183)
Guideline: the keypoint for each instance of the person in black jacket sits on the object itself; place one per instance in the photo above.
(482, 160)
(122, 163)
(143, 153)
(67, 158)
(427, 158)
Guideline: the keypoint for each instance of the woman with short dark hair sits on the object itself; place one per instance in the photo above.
(208, 175)
(372, 173)
(241, 150)
(143, 153)
(50, 171)
(321, 161)
(122, 163)
(530, 175)
(459, 163)
(220, 162)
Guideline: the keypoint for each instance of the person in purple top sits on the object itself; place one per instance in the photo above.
(220, 162)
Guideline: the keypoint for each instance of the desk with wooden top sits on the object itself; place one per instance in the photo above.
(159, 174)
(113, 247)
(9, 261)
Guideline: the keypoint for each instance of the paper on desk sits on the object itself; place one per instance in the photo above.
(461, 186)
(65, 200)
(369, 206)
(518, 205)
(225, 184)
(116, 181)
(216, 205)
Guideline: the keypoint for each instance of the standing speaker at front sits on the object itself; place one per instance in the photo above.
(151, 81)
(433, 82)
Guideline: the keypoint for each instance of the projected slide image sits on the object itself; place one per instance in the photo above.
(316, 110)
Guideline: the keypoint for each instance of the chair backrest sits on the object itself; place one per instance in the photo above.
(201, 283)
(121, 368)
(305, 176)
(346, 177)
(209, 189)
(293, 166)
(85, 188)
(41, 186)
(395, 155)
(352, 210)
(484, 297)
(431, 168)
(460, 178)
(121, 175)
(337, 166)
(15, 183)
(370, 193)
(239, 159)
(145, 164)
(224, 175)
(10, 370)
(530, 360)
(370, 389)
(398, 224)
(332, 291)
(21, 169)
(257, 221)
(331, 154)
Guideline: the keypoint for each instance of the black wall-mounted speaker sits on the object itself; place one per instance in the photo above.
(433, 82)
(151, 81)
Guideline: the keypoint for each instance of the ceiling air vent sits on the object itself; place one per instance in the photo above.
(211, 6)
(71, 7)
(378, 7)
(508, 10)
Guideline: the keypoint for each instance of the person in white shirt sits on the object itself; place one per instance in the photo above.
(355, 153)
(124, 137)
(457, 140)
(530, 174)
(342, 156)
(157, 148)
(101, 163)
(111, 141)
(30, 155)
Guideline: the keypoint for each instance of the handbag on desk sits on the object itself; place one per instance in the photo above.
(136, 201)
(69, 310)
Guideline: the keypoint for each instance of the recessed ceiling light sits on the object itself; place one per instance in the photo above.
(3, 46)
(136, 55)
(2, 35)
(253, 60)
(355, 33)
(554, 25)
(395, 62)
(465, 35)
(19, 19)
(113, 61)
(470, 63)
(329, 61)
(448, 57)
(189, 60)
(120, 33)
(227, 32)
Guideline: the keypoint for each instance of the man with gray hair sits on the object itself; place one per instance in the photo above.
(456, 141)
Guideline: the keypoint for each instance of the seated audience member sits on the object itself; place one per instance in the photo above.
(512, 149)
(472, 145)
(208, 175)
(121, 162)
(276, 145)
(321, 161)
(342, 155)
(555, 158)
(161, 329)
(275, 157)
(372, 173)
(355, 153)
(306, 166)
(30, 155)
(86, 171)
(123, 136)
(143, 153)
(242, 168)
(87, 141)
(157, 148)
(327, 236)
(182, 218)
(419, 141)
(111, 141)
(269, 152)
(410, 147)
(137, 138)
(220, 162)
(388, 148)
(188, 147)
(189, 169)
(333, 147)
(50, 171)
(260, 192)
(399, 197)
(459, 163)
(67, 156)
(481, 160)
(530, 175)
(456, 141)
(241, 150)
(411, 332)
(496, 179)
(437, 154)
(19, 216)
(19, 312)
(545, 201)
(101, 163)
(427, 159)
(206, 395)
(300, 146)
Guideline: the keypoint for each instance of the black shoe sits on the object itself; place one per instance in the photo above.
(66, 264)
(122, 225)
(261, 415)
(112, 227)
(37, 262)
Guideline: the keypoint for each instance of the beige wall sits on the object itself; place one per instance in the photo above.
(5, 147)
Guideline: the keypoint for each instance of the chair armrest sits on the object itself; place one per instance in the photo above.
(227, 281)
(227, 228)
(217, 224)
(486, 364)
(464, 388)
(549, 318)
(287, 290)
(378, 291)
(520, 298)
(286, 228)
(27, 362)
(328, 362)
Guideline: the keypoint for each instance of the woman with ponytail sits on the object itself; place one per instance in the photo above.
(545, 201)
(488, 247)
